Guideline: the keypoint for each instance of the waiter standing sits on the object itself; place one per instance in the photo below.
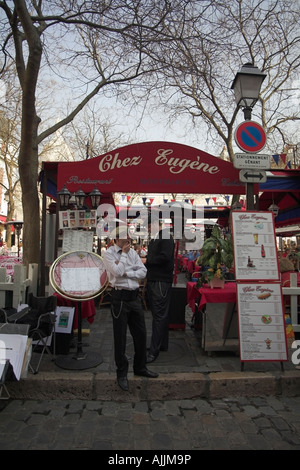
(125, 269)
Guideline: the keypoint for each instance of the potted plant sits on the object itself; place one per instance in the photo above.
(216, 258)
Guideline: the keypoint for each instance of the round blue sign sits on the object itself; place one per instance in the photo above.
(250, 136)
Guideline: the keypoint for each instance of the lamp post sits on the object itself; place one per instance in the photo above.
(17, 224)
(246, 86)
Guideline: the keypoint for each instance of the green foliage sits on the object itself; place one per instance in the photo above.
(216, 255)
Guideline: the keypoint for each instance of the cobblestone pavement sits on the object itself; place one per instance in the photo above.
(259, 423)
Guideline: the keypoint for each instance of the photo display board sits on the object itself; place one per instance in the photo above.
(261, 322)
(254, 242)
(77, 218)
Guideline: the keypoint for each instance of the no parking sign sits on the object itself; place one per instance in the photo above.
(250, 136)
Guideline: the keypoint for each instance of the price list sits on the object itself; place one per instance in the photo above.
(255, 253)
(261, 322)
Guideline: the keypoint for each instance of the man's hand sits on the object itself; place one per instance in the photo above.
(126, 247)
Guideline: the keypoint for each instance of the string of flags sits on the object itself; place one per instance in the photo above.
(281, 158)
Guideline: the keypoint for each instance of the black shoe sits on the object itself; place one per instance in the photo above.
(123, 383)
(147, 373)
(151, 358)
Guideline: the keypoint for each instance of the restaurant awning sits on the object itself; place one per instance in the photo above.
(282, 188)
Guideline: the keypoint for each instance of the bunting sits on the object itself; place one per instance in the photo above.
(283, 157)
(279, 157)
(207, 200)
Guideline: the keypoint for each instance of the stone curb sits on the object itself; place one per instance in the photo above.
(178, 386)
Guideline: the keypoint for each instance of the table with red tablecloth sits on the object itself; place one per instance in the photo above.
(207, 298)
(88, 309)
(208, 295)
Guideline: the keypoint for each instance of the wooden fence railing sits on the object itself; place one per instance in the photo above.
(13, 293)
(290, 295)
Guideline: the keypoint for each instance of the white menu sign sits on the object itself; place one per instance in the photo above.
(261, 322)
(76, 240)
(254, 241)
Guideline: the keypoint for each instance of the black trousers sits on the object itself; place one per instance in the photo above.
(159, 295)
(128, 313)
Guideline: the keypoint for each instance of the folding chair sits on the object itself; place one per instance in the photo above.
(105, 297)
(40, 316)
(143, 292)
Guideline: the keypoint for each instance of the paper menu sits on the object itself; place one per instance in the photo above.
(254, 242)
(74, 240)
(13, 348)
(261, 322)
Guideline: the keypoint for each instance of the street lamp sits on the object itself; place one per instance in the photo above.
(17, 224)
(246, 86)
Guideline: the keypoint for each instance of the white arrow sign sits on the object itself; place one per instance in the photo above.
(253, 176)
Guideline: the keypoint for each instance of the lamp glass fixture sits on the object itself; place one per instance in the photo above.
(64, 197)
(274, 208)
(246, 85)
(80, 198)
(95, 197)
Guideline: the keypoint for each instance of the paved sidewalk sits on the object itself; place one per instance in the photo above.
(236, 423)
(185, 371)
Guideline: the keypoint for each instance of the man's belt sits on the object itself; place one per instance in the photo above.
(123, 294)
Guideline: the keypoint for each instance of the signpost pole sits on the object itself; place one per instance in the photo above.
(250, 196)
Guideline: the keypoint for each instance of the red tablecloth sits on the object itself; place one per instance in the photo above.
(191, 266)
(88, 309)
(208, 295)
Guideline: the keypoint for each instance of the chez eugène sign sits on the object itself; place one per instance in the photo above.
(155, 167)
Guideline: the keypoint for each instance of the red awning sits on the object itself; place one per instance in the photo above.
(152, 167)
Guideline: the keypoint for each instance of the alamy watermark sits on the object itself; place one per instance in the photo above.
(296, 354)
(179, 222)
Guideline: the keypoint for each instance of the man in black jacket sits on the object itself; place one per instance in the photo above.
(160, 269)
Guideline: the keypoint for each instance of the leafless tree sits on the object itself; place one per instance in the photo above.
(95, 45)
(198, 68)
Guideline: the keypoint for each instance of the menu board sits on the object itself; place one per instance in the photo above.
(261, 322)
(254, 242)
(78, 275)
(74, 240)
